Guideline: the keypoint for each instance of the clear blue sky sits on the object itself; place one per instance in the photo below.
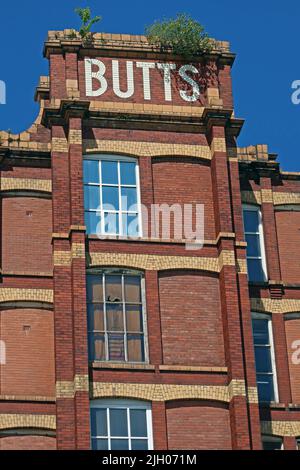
(263, 33)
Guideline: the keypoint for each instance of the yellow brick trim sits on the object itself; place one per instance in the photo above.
(59, 145)
(75, 136)
(252, 394)
(281, 428)
(267, 195)
(286, 198)
(147, 149)
(78, 250)
(25, 184)
(160, 392)
(27, 398)
(226, 258)
(218, 144)
(236, 388)
(143, 108)
(159, 263)
(68, 389)
(11, 421)
(32, 295)
(241, 266)
(275, 306)
(168, 392)
(277, 198)
(62, 258)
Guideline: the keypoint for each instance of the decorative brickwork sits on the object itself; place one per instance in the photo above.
(281, 428)
(147, 149)
(274, 305)
(275, 197)
(33, 295)
(23, 184)
(11, 421)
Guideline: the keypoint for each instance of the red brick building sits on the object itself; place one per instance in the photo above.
(129, 339)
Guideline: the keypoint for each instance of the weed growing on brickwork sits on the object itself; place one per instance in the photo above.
(184, 35)
(87, 21)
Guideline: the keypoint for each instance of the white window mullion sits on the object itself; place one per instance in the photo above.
(272, 352)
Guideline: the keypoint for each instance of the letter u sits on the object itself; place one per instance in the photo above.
(116, 79)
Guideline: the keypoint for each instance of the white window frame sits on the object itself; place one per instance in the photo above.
(117, 158)
(128, 404)
(264, 316)
(260, 233)
(123, 272)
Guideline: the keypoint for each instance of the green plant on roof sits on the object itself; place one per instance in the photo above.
(184, 35)
(87, 21)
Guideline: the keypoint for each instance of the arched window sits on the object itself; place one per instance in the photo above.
(116, 316)
(121, 425)
(112, 195)
(256, 259)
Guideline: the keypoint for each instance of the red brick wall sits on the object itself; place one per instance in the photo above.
(292, 328)
(288, 233)
(27, 443)
(190, 315)
(198, 426)
(26, 235)
(29, 338)
(185, 182)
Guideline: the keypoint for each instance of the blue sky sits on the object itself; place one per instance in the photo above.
(263, 33)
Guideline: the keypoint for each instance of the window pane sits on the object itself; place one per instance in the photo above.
(138, 423)
(95, 317)
(260, 331)
(132, 289)
(135, 346)
(90, 171)
(114, 315)
(92, 222)
(116, 347)
(94, 288)
(119, 444)
(139, 444)
(128, 173)
(129, 199)
(255, 271)
(118, 422)
(91, 197)
(130, 225)
(109, 172)
(251, 220)
(98, 422)
(265, 388)
(263, 359)
(111, 223)
(253, 246)
(110, 198)
(97, 347)
(113, 288)
(99, 444)
(134, 318)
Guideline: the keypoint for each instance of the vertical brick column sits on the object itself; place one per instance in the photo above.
(77, 229)
(159, 425)
(289, 443)
(147, 192)
(153, 318)
(228, 283)
(63, 312)
(243, 291)
(273, 266)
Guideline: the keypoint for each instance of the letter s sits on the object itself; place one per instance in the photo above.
(196, 91)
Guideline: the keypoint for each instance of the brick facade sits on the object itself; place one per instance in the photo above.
(199, 375)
